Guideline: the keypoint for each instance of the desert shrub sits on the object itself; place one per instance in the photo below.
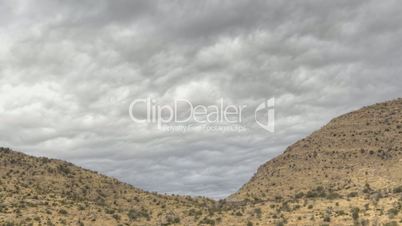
(170, 218)
(333, 195)
(366, 188)
(340, 212)
(299, 195)
(64, 169)
(280, 223)
(63, 211)
(195, 213)
(311, 194)
(355, 213)
(352, 194)
(393, 212)
(207, 221)
(258, 212)
(109, 211)
(398, 189)
(135, 214)
(317, 192)
(50, 223)
(116, 217)
(9, 224)
(392, 223)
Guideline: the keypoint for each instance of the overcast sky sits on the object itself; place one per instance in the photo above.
(70, 69)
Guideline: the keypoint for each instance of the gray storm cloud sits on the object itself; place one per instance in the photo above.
(69, 71)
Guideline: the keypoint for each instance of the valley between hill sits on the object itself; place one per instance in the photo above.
(347, 173)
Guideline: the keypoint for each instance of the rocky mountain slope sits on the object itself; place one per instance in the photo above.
(359, 149)
(347, 173)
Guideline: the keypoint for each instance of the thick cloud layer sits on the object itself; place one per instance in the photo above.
(69, 70)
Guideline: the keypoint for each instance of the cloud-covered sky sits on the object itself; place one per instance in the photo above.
(70, 69)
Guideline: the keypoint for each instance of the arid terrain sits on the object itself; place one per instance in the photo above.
(347, 173)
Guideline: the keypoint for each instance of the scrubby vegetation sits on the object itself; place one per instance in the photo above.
(347, 173)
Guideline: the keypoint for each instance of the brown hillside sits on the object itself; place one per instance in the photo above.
(41, 191)
(347, 173)
(359, 149)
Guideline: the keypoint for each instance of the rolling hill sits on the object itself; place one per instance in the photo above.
(42, 191)
(347, 173)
